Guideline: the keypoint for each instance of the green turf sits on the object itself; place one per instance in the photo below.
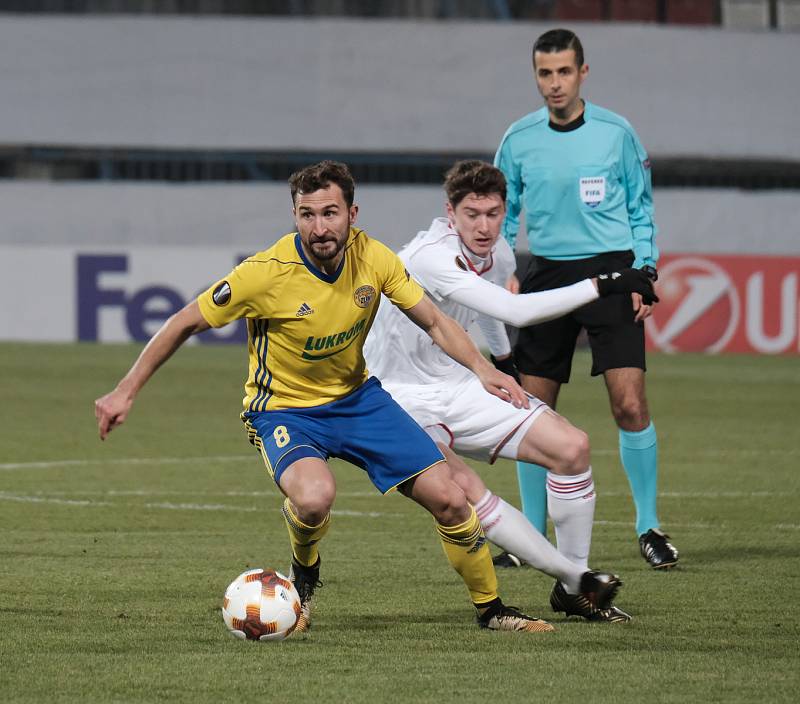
(114, 558)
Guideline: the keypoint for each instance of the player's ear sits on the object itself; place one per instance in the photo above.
(353, 212)
(451, 213)
(583, 71)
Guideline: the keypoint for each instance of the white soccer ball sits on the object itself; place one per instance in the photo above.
(261, 605)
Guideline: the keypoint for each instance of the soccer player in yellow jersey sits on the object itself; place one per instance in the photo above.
(309, 302)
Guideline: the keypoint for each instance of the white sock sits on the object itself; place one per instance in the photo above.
(508, 528)
(570, 503)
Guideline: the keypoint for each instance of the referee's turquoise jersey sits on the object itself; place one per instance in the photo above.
(585, 191)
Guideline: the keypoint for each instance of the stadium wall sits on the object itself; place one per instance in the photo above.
(367, 85)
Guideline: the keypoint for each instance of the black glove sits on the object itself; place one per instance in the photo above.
(506, 366)
(651, 271)
(627, 281)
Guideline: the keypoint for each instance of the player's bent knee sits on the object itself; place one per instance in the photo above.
(311, 510)
(311, 488)
(575, 454)
(463, 475)
(582, 451)
(631, 415)
(450, 506)
(471, 484)
(441, 496)
(313, 501)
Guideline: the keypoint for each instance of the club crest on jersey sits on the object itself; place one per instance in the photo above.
(363, 296)
(593, 190)
(460, 263)
(221, 295)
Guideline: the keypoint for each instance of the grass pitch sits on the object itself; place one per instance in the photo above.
(114, 556)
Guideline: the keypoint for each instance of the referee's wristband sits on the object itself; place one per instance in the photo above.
(651, 272)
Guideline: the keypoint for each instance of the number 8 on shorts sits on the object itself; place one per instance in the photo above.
(281, 436)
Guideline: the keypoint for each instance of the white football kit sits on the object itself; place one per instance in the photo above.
(445, 398)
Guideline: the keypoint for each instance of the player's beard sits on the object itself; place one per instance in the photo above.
(327, 254)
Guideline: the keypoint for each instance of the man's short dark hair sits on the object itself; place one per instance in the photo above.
(473, 176)
(317, 176)
(559, 40)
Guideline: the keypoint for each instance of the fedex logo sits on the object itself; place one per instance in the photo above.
(106, 292)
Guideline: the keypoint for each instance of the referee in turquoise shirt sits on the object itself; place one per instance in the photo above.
(582, 177)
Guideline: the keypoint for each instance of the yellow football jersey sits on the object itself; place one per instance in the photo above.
(306, 329)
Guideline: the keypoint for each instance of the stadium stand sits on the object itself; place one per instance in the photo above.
(746, 14)
(730, 13)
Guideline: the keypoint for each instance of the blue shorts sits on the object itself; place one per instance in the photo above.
(367, 428)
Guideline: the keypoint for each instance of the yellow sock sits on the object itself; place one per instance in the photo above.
(468, 552)
(304, 538)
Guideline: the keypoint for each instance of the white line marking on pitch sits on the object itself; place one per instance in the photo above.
(780, 526)
(4, 496)
(371, 494)
(170, 492)
(172, 506)
(43, 500)
(719, 452)
(708, 494)
(127, 460)
(709, 452)
(201, 507)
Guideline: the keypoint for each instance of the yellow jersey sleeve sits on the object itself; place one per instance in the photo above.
(398, 285)
(231, 298)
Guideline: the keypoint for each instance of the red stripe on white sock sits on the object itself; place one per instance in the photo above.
(484, 508)
(563, 488)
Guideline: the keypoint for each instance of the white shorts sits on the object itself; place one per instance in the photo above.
(463, 415)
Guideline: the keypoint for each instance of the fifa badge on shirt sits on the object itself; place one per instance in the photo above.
(593, 190)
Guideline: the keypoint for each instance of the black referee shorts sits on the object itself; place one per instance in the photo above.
(616, 341)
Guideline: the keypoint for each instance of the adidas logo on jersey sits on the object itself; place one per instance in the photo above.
(305, 309)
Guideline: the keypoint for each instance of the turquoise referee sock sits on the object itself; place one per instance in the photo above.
(639, 454)
(532, 480)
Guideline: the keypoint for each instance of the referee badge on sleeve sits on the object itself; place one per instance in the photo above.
(593, 190)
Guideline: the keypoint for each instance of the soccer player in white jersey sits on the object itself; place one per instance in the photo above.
(463, 264)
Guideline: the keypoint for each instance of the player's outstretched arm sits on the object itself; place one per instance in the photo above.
(530, 308)
(455, 341)
(112, 409)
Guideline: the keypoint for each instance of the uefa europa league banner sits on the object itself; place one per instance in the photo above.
(714, 304)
